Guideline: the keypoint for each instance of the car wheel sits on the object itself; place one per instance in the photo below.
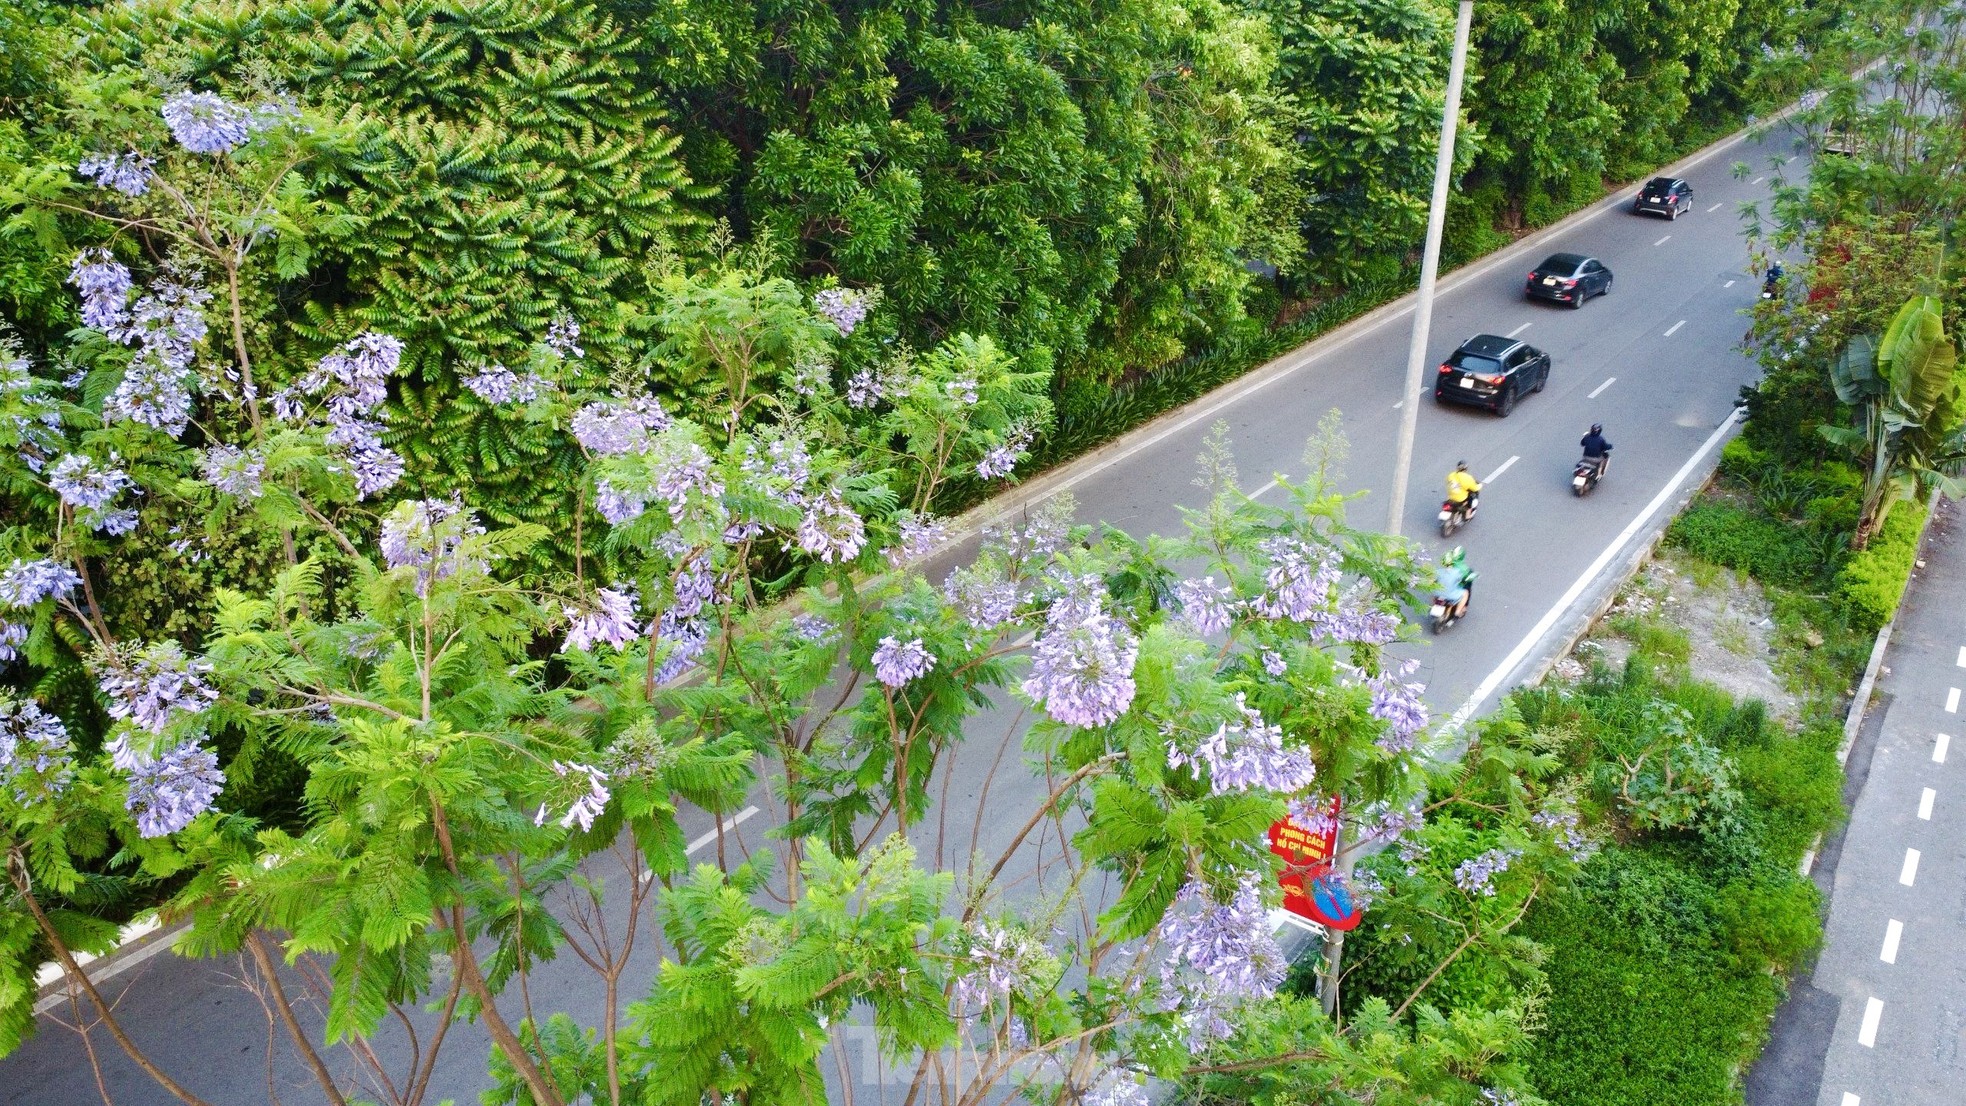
(1577, 301)
(1506, 404)
(1541, 381)
(1607, 287)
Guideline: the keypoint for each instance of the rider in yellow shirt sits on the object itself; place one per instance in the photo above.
(1463, 487)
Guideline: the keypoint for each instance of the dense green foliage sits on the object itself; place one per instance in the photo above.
(1873, 580)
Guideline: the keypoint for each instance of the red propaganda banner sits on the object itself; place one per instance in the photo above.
(1310, 888)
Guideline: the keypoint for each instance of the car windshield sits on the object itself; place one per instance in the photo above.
(1654, 188)
(1561, 263)
(1475, 363)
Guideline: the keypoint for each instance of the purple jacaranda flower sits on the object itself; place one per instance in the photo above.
(864, 389)
(13, 635)
(611, 427)
(89, 488)
(918, 538)
(1000, 459)
(1206, 609)
(500, 385)
(35, 759)
(1398, 704)
(563, 338)
(353, 382)
(982, 596)
(1395, 823)
(1273, 662)
(1314, 813)
(687, 638)
(1297, 584)
(1117, 1088)
(680, 468)
(1082, 663)
(842, 307)
(429, 535)
(1217, 956)
(105, 286)
(1496, 1096)
(1364, 885)
(1001, 960)
(153, 686)
(167, 792)
(25, 583)
(589, 805)
(151, 394)
(616, 505)
(831, 530)
(1564, 827)
(897, 662)
(812, 375)
(963, 390)
(814, 628)
(1354, 623)
(239, 473)
(375, 469)
(610, 618)
(1247, 754)
(207, 123)
(1476, 875)
(128, 173)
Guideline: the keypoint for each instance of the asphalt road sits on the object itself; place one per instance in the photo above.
(1656, 361)
(1890, 962)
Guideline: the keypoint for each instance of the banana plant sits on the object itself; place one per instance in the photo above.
(1908, 400)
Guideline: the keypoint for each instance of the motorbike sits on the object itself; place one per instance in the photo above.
(1454, 515)
(1770, 286)
(1585, 476)
(1442, 611)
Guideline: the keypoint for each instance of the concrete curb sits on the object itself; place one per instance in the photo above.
(137, 942)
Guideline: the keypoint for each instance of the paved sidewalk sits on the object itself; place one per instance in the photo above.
(1886, 1007)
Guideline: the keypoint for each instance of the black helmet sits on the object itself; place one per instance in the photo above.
(1597, 428)
(1460, 466)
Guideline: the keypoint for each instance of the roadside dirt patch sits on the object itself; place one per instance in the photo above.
(1715, 622)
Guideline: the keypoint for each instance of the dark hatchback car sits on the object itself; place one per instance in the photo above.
(1568, 278)
(1668, 196)
(1493, 372)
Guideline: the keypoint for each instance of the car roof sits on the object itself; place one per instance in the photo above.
(1489, 345)
(1662, 182)
(1565, 260)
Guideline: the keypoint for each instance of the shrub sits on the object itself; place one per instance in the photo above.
(1777, 921)
(1748, 541)
(1873, 580)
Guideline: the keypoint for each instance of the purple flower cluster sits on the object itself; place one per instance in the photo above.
(1217, 955)
(128, 173)
(611, 427)
(91, 490)
(34, 752)
(207, 123)
(34, 419)
(1274, 664)
(897, 662)
(1354, 624)
(1565, 828)
(1118, 1088)
(428, 535)
(963, 390)
(612, 618)
(999, 460)
(1082, 664)
(1496, 1096)
(1247, 754)
(1365, 887)
(842, 307)
(355, 382)
(687, 638)
(588, 806)
(814, 627)
(1314, 813)
(864, 389)
(563, 338)
(1206, 608)
(918, 538)
(617, 505)
(985, 600)
(1001, 960)
(105, 286)
(500, 385)
(831, 530)
(25, 583)
(1398, 704)
(1395, 823)
(1297, 584)
(679, 467)
(152, 686)
(239, 473)
(13, 635)
(1476, 875)
(167, 792)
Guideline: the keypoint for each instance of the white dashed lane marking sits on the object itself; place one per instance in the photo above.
(1873, 1013)
(1962, 656)
(1714, 208)
(712, 835)
(1925, 804)
(1729, 284)
(1675, 328)
(1599, 390)
(1892, 933)
(1910, 871)
(1952, 700)
(1851, 1100)
(1758, 180)
(1499, 471)
(1939, 748)
(1518, 330)
(1662, 241)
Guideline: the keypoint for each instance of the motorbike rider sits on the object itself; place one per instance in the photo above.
(1462, 487)
(1597, 449)
(1774, 278)
(1453, 581)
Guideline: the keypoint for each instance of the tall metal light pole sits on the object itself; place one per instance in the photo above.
(1416, 357)
(1423, 313)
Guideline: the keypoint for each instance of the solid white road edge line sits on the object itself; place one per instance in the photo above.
(1599, 390)
(1909, 873)
(1925, 799)
(1873, 1013)
(1675, 328)
(1892, 932)
(1543, 626)
(1499, 471)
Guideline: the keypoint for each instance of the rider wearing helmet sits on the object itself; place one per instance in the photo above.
(1462, 487)
(1597, 448)
(1454, 581)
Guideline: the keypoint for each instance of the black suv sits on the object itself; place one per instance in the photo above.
(1668, 196)
(1493, 372)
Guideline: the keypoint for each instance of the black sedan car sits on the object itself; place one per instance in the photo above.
(1668, 196)
(1493, 372)
(1568, 278)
